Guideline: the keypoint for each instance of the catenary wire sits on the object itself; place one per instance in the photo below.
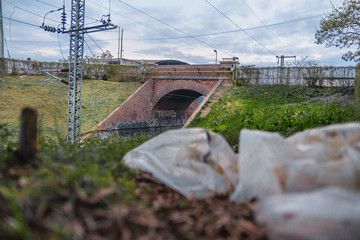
(234, 31)
(252, 11)
(25, 10)
(89, 48)
(60, 47)
(240, 28)
(51, 5)
(95, 42)
(19, 21)
(199, 35)
(131, 19)
(165, 34)
(176, 29)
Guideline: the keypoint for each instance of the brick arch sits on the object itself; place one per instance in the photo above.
(178, 99)
(140, 105)
(164, 87)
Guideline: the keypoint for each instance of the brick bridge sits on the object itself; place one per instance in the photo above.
(169, 97)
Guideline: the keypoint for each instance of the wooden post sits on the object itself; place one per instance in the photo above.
(28, 151)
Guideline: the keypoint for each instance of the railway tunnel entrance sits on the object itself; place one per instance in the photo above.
(177, 104)
(169, 97)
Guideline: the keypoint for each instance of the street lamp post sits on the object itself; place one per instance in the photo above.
(215, 56)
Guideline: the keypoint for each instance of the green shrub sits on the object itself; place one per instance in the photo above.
(283, 109)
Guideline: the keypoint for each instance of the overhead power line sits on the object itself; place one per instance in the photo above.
(240, 28)
(134, 20)
(167, 38)
(176, 29)
(93, 55)
(266, 26)
(25, 10)
(95, 43)
(57, 7)
(153, 29)
(34, 25)
(19, 21)
(234, 31)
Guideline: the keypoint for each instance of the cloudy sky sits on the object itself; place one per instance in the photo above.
(255, 31)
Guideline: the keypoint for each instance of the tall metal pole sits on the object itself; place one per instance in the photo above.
(1, 32)
(121, 50)
(119, 46)
(75, 69)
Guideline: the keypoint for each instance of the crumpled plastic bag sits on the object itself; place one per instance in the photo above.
(322, 165)
(270, 164)
(330, 213)
(194, 162)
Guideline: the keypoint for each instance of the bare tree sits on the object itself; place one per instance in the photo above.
(304, 62)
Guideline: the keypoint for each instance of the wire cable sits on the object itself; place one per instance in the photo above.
(176, 29)
(199, 35)
(93, 55)
(11, 19)
(170, 37)
(165, 34)
(19, 21)
(11, 22)
(35, 14)
(234, 31)
(95, 42)
(239, 28)
(7, 48)
(109, 7)
(267, 27)
(60, 47)
(51, 5)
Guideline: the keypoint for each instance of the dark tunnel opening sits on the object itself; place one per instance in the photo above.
(175, 104)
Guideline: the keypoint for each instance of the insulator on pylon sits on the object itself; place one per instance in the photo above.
(63, 18)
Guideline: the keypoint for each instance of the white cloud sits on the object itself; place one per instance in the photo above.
(185, 17)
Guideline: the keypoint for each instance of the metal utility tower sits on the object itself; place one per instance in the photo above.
(1, 33)
(75, 69)
(282, 59)
(77, 30)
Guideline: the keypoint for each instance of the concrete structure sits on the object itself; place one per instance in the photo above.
(170, 93)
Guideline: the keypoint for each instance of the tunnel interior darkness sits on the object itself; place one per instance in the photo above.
(178, 100)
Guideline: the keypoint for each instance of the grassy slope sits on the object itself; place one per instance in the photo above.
(87, 192)
(277, 108)
(100, 98)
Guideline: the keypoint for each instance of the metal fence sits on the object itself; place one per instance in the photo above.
(305, 76)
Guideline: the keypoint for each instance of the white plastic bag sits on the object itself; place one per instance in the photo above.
(333, 158)
(194, 162)
(316, 158)
(261, 156)
(329, 214)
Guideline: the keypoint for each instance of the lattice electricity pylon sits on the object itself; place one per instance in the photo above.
(76, 31)
(75, 70)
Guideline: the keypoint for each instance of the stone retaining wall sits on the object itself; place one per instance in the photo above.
(119, 73)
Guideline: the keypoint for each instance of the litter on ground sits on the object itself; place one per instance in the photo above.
(308, 185)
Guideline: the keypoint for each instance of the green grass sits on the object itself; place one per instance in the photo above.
(70, 175)
(50, 197)
(99, 99)
(284, 109)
